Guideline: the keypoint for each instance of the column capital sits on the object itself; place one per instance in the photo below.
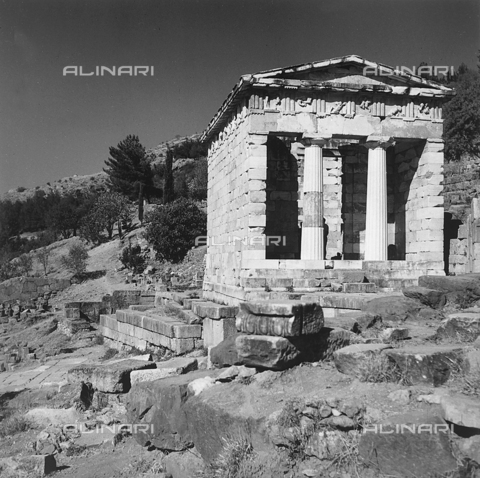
(315, 140)
(374, 142)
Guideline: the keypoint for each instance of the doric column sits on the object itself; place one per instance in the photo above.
(376, 230)
(312, 228)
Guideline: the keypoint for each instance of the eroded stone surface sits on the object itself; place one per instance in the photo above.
(112, 378)
(396, 308)
(431, 297)
(280, 318)
(427, 364)
(403, 453)
(464, 411)
(350, 360)
(159, 406)
(276, 353)
(31, 465)
(460, 326)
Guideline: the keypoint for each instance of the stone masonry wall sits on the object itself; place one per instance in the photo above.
(461, 185)
(232, 184)
(28, 288)
(424, 213)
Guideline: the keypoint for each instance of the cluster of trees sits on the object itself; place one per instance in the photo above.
(172, 227)
(96, 216)
(461, 113)
(131, 173)
(56, 216)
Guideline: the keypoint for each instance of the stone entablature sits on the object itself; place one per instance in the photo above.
(336, 163)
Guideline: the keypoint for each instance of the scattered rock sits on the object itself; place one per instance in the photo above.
(426, 364)
(351, 407)
(183, 464)
(350, 359)
(36, 465)
(432, 298)
(229, 374)
(176, 366)
(391, 334)
(431, 398)
(225, 353)
(460, 326)
(200, 384)
(111, 378)
(52, 416)
(470, 447)
(159, 407)
(462, 289)
(275, 353)
(285, 318)
(245, 372)
(400, 396)
(463, 411)
(403, 452)
(393, 308)
(341, 422)
(326, 444)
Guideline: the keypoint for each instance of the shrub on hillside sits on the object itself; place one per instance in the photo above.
(76, 259)
(24, 264)
(133, 259)
(172, 228)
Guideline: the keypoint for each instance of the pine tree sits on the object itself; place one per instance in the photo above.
(168, 193)
(128, 167)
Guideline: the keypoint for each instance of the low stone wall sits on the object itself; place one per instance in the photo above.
(28, 288)
(461, 184)
(133, 328)
(88, 310)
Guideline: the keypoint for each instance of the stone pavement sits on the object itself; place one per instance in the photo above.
(53, 372)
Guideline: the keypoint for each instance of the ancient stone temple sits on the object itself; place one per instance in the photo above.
(328, 166)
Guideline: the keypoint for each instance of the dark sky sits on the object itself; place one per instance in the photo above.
(52, 126)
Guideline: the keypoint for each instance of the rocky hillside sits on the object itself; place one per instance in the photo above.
(90, 182)
(98, 181)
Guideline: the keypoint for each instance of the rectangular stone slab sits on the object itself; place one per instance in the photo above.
(289, 318)
(275, 353)
(111, 378)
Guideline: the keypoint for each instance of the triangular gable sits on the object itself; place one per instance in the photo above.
(351, 69)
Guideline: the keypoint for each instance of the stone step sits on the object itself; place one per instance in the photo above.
(394, 284)
(185, 315)
(149, 320)
(140, 308)
(359, 287)
(212, 310)
(336, 300)
(185, 339)
(147, 300)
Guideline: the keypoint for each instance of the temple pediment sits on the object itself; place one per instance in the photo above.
(354, 70)
(343, 90)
